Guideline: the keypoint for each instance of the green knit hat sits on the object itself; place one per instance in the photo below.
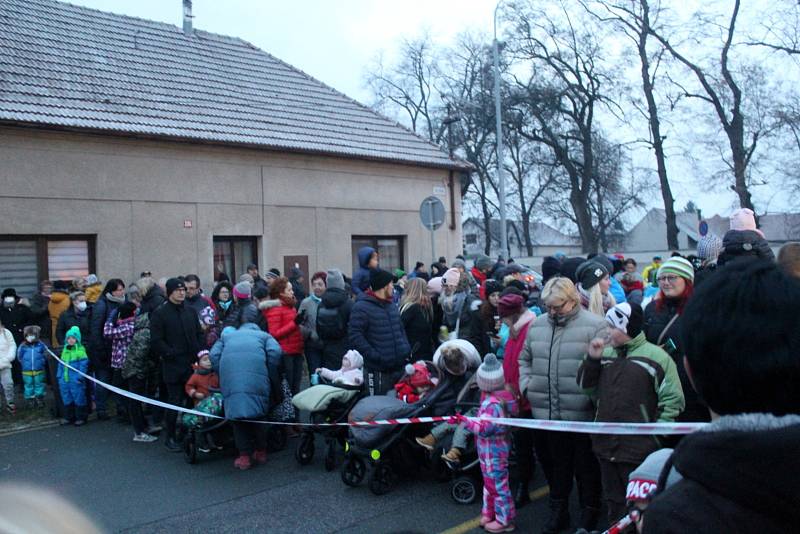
(678, 266)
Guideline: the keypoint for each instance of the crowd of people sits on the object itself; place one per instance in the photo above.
(685, 339)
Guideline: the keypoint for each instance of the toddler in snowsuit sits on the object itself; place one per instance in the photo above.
(71, 384)
(203, 388)
(351, 373)
(494, 445)
(32, 356)
(415, 384)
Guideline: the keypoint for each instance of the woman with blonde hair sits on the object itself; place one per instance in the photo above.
(593, 287)
(554, 349)
(416, 314)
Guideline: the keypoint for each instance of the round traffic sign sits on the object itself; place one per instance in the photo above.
(431, 213)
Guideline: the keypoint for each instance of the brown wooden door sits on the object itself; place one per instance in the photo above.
(297, 261)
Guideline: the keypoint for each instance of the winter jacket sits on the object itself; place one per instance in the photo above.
(32, 357)
(417, 326)
(649, 274)
(739, 476)
(176, 337)
(99, 348)
(280, 321)
(93, 293)
(202, 381)
(617, 291)
(247, 361)
(67, 320)
(655, 322)
(350, 374)
(333, 318)
(549, 362)
(75, 356)
(480, 280)
(310, 305)
(15, 319)
(40, 316)
(471, 355)
(298, 289)
(198, 303)
(59, 303)
(360, 281)
(8, 348)
(635, 383)
(141, 361)
(241, 313)
(121, 335)
(150, 302)
(375, 330)
(470, 327)
(513, 348)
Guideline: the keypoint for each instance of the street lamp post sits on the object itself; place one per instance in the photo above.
(498, 122)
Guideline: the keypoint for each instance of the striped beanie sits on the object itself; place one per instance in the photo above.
(709, 247)
(679, 266)
(490, 375)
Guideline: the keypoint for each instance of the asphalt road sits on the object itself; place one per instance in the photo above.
(135, 487)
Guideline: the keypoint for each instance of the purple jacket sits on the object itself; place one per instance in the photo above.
(120, 336)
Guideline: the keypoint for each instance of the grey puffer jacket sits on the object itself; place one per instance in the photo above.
(549, 362)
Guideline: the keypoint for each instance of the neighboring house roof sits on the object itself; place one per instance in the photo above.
(71, 67)
(777, 227)
(542, 234)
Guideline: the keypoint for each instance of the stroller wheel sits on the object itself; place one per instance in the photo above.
(304, 452)
(382, 479)
(330, 456)
(190, 448)
(464, 490)
(276, 438)
(353, 471)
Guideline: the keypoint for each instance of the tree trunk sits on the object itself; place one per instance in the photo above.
(583, 218)
(526, 231)
(655, 131)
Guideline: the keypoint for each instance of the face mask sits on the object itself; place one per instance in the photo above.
(81, 306)
(9, 301)
(30, 339)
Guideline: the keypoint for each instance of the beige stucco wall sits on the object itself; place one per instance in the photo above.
(135, 195)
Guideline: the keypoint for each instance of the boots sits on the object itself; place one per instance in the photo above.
(559, 517)
(521, 494)
(69, 414)
(428, 442)
(589, 518)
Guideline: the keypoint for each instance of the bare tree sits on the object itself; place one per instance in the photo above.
(632, 18)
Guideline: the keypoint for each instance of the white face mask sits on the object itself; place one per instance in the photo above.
(9, 301)
(30, 339)
(81, 306)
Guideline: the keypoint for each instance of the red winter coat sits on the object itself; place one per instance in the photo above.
(280, 321)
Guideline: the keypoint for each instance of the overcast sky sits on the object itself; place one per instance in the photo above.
(334, 41)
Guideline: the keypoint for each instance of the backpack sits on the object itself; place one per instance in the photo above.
(330, 323)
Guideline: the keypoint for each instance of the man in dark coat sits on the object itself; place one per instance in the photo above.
(376, 332)
(739, 474)
(176, 337)
(333, 317)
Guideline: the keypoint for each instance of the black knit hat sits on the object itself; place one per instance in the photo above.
(492, 286)
(174, 284)
(569, 266)
(589, 273)
(378, 279)
(551, 267)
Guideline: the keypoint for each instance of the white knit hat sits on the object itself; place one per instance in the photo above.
(490, 375)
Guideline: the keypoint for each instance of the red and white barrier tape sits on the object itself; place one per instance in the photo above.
(628, 429)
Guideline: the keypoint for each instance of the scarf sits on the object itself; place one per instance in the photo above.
(315, 298)
(112, 298)
(452, 306)
(371, 293)
(224, 305)
(288, 302)
(586, 299)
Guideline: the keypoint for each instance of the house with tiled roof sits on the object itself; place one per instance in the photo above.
(129, 145)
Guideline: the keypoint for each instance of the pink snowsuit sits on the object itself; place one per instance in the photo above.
(494, 444)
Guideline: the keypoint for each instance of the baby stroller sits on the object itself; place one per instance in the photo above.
(326, 404)
(218, 433)
(390, 449)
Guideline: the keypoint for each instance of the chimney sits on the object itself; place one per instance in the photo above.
(187, 17)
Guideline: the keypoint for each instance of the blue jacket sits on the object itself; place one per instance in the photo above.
(32, 357)
(360, 281)
(616, 290)
(246, 359)
(376, 332)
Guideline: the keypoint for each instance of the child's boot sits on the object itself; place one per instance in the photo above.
(428, 442)
(242, 462)
(497, 526)
(260, 456)
(80, 415)
(69, 414)
(11, 408)
(453, 456)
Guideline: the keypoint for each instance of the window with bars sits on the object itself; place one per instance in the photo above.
(232, 255)
(391, 250)
(26, 260)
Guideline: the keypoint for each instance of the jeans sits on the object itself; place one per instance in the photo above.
(176, 396)
(572, 458)
(249, 437)
(313, 359)
(7, 381)
(293, 368)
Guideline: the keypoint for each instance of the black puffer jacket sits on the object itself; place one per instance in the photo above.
(176, 338)
(654, 324)
(739, 476)
(335, 340)
(99, 346)
(68, 319)
(417, 324)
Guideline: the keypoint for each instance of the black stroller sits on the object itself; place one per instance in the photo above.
(332, 406)
(391, 449)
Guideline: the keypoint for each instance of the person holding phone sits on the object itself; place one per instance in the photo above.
(662, 326)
